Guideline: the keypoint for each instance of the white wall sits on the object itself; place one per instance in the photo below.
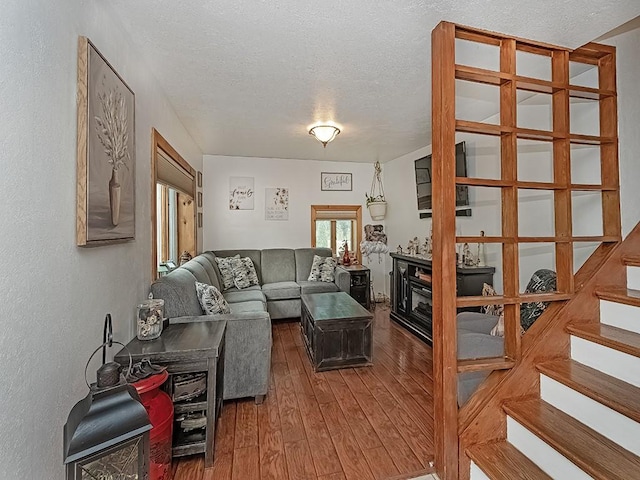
(224, 228)
(54, 294)
(628, 46)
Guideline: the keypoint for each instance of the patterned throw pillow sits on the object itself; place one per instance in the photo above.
(225, 264)
(244, 273)
(322, 269)
(211, 300)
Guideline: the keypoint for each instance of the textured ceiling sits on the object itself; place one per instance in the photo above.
(248, 78)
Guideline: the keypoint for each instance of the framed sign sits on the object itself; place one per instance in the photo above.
(331, 181)
(276, 204)
(240, 193)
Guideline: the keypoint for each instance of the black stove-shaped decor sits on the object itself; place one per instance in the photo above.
(106, 436)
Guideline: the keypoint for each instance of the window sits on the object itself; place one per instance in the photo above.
(332, 225)
(174, 228)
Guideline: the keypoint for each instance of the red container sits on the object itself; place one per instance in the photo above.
(160, 410)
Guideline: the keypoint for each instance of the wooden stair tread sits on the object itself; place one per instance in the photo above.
(610, 391)
(632, 260)
(608, 336)
(503, 461)
(628, 296)
(485, 364)
(593, 453)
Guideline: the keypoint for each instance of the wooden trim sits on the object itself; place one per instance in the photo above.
(444, 260)
(82, 106)
(159, 142)
(338, 208)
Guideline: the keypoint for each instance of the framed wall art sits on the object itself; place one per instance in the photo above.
(331, 181)
(199, 179)
(106, 154)
(276, 204)
(241, 193)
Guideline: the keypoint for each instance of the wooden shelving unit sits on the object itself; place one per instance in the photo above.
(445, 73)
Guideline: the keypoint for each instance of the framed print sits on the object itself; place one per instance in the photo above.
(241, 193)
(276, 204)
(199, 179)
(106, 153)
(199, 219)
(331, 181)
(199, 199)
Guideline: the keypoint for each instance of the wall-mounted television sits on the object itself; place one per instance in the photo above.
(423, 183)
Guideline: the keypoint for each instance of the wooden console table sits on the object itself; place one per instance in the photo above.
(188, 348)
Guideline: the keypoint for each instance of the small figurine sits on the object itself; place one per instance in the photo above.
(482, 261)
(399, 249)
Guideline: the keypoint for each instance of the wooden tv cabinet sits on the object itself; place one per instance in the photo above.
(411, 280)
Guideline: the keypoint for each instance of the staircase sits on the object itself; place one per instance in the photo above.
(586, 421)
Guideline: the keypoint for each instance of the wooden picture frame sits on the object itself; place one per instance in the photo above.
(199, 219)
(199, 179)
(199, 199)
(106, 152)
(335, 181)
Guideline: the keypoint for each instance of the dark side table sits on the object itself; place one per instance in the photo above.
(358, 284)
(188, 348)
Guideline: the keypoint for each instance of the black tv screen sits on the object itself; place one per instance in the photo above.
(423, 182)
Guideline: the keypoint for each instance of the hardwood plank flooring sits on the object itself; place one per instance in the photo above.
(369, 423)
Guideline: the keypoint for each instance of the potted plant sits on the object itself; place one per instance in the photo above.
(376, 202)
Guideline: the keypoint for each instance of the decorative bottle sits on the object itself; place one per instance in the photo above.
(346, 260)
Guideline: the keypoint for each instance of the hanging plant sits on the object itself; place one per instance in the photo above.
(376, 203)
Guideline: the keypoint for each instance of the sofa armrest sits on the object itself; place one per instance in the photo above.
(247, 351)
(343, 280)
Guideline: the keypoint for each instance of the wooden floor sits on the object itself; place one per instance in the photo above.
(354, 424)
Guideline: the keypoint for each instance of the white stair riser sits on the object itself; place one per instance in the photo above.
(477, 474)
(633, 277)
(620, 315)
(540, 453)
(612, 362)
(613, 425)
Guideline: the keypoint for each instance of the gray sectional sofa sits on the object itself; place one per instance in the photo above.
(282, 274)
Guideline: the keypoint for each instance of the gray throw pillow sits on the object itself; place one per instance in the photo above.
(211, 300)
(225, 264)
(244, 273)
(322, 269)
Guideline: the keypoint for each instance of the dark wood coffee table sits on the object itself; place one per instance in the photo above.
(337, 331)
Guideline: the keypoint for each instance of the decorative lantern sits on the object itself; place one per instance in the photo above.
(106, 436)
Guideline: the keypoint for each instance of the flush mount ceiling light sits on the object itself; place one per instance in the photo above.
(324, 133)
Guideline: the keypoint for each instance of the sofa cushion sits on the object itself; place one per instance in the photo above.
(278, 265)
(478, 345)
(243, 307)
(317, 287)
(281, 290)
(225, 264)
(210, 269)
(304, 259)
(211, 300)
(244, 273)
(247, 295)
(322, 269)
(198, 271)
